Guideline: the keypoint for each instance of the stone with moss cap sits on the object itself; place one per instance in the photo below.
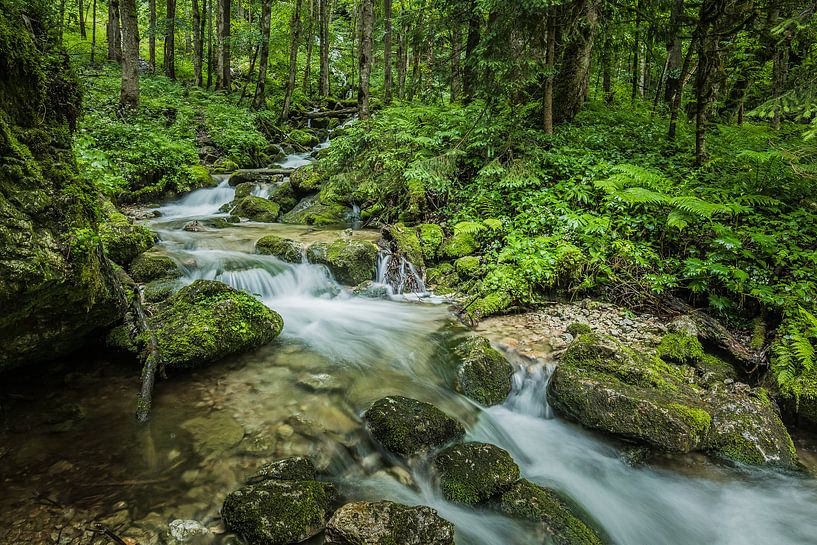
(351, 261)
(122, 239)
(385, 522)
(278, 512)
(256, 209)
(209, 320)
(489, 303)
(295, 468)
(468, 266)
(577, 329)
(312, 211)
(404, 241)
(484, 374)
(528, 501)
(306, 180)
(680, 348)
(431, 239)
(472, 473)
(282, 248)
(152, 266)
(284, 195)
(460, 244)
(408, 427)
(244, 189)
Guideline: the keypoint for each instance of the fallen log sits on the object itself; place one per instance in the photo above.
(331, 113)
(152, 362)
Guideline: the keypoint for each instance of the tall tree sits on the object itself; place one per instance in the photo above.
(93, 34)
(114, 35)
(324, 47)
(259, 100)
(471, 44)
(570, 88)
(365, 64)
(550, 66)
(310, 41)
(209, 12)
(456, 61)
(82, 21)
(674, 47)
(223, 75)
(294, 40)
(387, 39)
(198, 42)
(129, 91)
(170, 40)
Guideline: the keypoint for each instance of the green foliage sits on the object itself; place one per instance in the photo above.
(794, 365)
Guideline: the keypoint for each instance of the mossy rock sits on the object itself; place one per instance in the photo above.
(256, 176)
(460, 245)
(468, 267)
(304, 138)
(244, 189)
(150, 266)
(408, 427)
(123, 240)
(350, 261)
(209, 320)
(471, 473)
(681, 349)
(200, 177)
(306, 180)
(278, 512)
(388, 523)
(296, 468)
(310, 211)
(489, 304)
(160, 290)
(577, 329)
(484, 374)
(214, 433)
(405, 242)
(528, 501)
(257, 209)
(431, 240)
(282, 248)
(443, 279)
(284, 195)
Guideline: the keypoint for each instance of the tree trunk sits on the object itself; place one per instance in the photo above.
(82, 21)
(198, 43)
(636, 53)
(294, 40)
(324, 48)
(209, 11)
(456, 61)
(606, 68)
(572, 80)
(93, 35)
(674, 47)
(550, 59)
(114, 36)
(471, 43)
(402, 54)
(310, 41)
(679, 92)
(223, 76)
(387, 39)
(170, 41)
(780, 70)
(708, 62)
(129, 92)
(152, 35)
(365, 64)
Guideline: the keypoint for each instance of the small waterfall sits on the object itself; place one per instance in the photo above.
(354, 217)
(398, 275)
(261, 190)
(529, 390)
(202, 202)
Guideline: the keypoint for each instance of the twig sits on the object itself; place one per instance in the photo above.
(99, 528)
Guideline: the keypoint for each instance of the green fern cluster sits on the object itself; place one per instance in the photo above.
(793, 362)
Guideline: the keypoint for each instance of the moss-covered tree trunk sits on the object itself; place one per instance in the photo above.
(324, 48)
(471, 44)
(365, 62)
(129, 91)
(114, 35)
(572, 80)
(223, 75)
(170, 40)
(198, 49)
(310, 38)
(294, 40)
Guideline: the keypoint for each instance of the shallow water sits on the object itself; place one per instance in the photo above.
(68, 433)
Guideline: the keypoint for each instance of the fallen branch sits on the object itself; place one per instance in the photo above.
(152, 362)
(107, 532)
(331, 113)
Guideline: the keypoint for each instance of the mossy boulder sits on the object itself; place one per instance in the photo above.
(472, 473)
(431, 239)
(244, 189)
(284, 195)
(306, 180)
(208, 320)
(350, 261)
(282, 248)
(151, 266)
(460, 244)
(278, 512)
(468, 266)
(296, 468)
(405, 242)
(254, 177)
(160, 290)
(528, 501)
(304, 138)
(409, 427)
(388, 523)
(489, 303)
(443, 279)
(121, 238)
(311, 211)
(577, 329)
(484, 374)
(680, 348)
(257, 209)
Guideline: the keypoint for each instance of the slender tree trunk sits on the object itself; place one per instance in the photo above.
(675, 106)
(324, 48)
(62, 19)
(387, 39)
(456, 61)
(129, 92)
(606, 68)
(82, 21)
(93, 35)
(402, 53)
(780, 70)
(209, 12)
(152, 35)
(674, 47)
(170, 41)
(198, 41)
(572, 80)
(310, 41)
(366, 46)
(550, 60)
(636, 53)
(223, 75)
(471, 43)
(114, 35)
(294, 40)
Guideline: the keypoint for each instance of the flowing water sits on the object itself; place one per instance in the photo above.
(69, 438)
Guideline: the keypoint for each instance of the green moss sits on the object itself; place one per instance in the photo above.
(460, 244)
(282, 248)
(431, 239)
(405, 242)
(150, 266)
(484, 374)
(680, 348)
(468, 266)
(471, 473)
(199, 177)
(351, 261)
(488, 304)
(160, 290)
(311, 211)
(296, 468)
(306, 180)
(121, 238)
(698, 420)
(284, 195)
(257, 209)
(244, 189)
(577, 329)
(304, 138)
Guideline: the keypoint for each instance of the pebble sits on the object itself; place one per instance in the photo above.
(185, 530)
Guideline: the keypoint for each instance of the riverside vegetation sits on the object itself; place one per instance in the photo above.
(287, 220)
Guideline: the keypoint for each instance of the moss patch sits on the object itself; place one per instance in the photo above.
(282, 248)
(474, 472)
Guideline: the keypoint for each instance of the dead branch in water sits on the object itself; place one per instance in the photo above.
(152, 362)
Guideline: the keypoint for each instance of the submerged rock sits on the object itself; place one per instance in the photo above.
(351, 261)
(471, 473)
(409, 427)
(528, 501)
(296, 468)
(257, 209)
(184, 531)
(484, 374)
(385, 522)
(209, 320)
(277, 512)
(215, 433)
(282, 248)
(151, 266)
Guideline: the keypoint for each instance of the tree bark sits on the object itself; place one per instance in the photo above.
(82, 21)
(387, 39)
(679, 92)
(636, 53)
(223, 76)
(780, 71)
(198, 43)
(324, 48)
(674, 47)
(365, 63)
(456, 61)
(170, 41)
(294, 39)
(550, 61)
(471, 43)
(129, 92)
(93, 35)
(310, 41)
(572, 80)
(402, 54)
(606, 68)
(152, 35)
(114, 35)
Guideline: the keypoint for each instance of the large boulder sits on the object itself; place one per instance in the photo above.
(296, 468)
(405, 241)
(278, 512)
(484, 374)
(408, 427)
(306, 180)
(351, 261)
(284, 195)
(208, 320)
(257, 209)
(122, 239)
(152, 266)
(385, 522)
(282, 248)
(472, 473)
(312, 211)
(255, 176)
(528, 501)
(607, 386)
(431, 239)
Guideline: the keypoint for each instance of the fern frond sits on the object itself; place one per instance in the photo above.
(468, 228)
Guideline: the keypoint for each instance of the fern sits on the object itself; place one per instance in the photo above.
(468, 228)
(793, 361)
